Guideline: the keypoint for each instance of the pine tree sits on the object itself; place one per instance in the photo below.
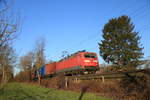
(121, 44)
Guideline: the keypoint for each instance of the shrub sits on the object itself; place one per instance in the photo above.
(136, 86)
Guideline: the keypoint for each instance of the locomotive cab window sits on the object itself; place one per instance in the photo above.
(90, 56)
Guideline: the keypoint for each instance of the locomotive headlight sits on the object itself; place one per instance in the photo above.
(95, 61)
(86, 60)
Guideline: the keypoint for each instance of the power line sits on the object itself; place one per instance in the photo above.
(145, 26)
(128, 7)
(138, 9)
(89, 38)
(135, 13)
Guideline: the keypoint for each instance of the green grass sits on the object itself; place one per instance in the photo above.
(20, 91)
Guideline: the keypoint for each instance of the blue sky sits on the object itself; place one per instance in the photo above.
(74, 25)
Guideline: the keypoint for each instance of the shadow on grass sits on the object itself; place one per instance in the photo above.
(83, 91)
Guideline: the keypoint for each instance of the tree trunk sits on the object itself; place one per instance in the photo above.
(30, 73)
(3, 75)
(39, 77)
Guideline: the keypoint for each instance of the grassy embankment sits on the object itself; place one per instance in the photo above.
(20, 91)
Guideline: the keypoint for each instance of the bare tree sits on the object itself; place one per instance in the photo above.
(8, 32)
(39, 55)
(26, 62)
(7, 61)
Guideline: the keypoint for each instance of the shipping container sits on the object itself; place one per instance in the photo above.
(50, 68)
(42, 71)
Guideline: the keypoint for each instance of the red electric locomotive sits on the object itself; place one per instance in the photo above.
(78, 63)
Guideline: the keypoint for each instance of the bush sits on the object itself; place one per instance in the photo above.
(23, 76)
(136, 86)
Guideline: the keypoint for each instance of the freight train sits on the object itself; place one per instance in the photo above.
(78, 63)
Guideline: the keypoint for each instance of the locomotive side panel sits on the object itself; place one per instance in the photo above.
(73, 63)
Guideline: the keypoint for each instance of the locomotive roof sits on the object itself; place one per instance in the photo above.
(83, 51)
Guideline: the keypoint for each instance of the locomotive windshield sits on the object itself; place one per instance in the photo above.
(90, 56)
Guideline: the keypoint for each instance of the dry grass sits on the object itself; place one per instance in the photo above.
(125, 89)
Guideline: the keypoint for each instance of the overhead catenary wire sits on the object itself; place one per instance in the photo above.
(138, 11)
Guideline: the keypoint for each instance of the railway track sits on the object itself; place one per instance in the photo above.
(112, 75)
